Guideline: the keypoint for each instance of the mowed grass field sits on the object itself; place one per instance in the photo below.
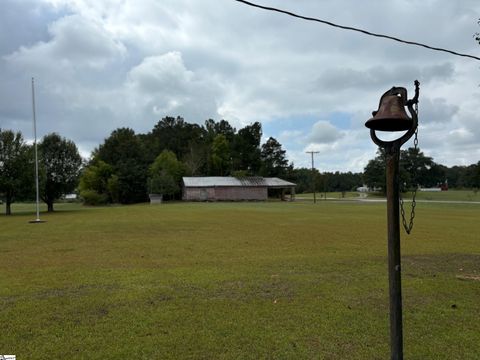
(450, 195)
(236, 281)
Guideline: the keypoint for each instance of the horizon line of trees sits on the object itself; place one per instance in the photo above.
(419, 170)
(127, 166)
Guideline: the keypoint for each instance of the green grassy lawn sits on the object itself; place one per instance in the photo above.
(450, 195)
(236, 281)
(330, 195)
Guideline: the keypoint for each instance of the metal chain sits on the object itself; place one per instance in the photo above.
(408, 228)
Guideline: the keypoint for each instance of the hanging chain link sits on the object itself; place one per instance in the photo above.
(408, 228)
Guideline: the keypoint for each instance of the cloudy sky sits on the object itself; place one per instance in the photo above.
(103, 64)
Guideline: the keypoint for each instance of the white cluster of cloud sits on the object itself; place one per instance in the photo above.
(75, 43)
(104, 64)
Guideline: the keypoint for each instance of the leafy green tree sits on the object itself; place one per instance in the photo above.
(476, 176)
(212, 130)
(216, 128)
(434, 176)
(274, 161)
(467, 176)
(374, 172)
(125, 152)
(60, 164)
(324, 182)
(113, 188)
(131, 184)
(120, 145)
(415, 169)
(461, 177)
(239, 174)
(164, 184)
(173, 134)
(165, 174)
(95, 177)
(16, 168)
(98, 184)
(341, 182)
(418, 169)
(195, 159)
(220, 155)
(304, 178)
(246, 149)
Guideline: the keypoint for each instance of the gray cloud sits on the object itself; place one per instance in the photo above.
(104, 64)
(323, 133)
(165, 86)
(23, 23)
(74, 42)
(161, 74)
(437, 110)
(338, 79)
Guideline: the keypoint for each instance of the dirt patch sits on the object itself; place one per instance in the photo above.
(74, 292)
(430, 265)
(467, 277)
(273, 290)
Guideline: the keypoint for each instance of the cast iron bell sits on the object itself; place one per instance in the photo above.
(391, 115)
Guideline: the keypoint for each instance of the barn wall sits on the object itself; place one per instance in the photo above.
(224, 193)
(199, 194)
(241, 193)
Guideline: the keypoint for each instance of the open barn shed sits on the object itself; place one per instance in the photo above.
(228, 188)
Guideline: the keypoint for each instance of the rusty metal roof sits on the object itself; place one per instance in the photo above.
(277, 182)
(212, 181)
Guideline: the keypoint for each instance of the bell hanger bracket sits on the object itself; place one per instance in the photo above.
(397, 143)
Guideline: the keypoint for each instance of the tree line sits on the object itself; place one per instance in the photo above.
(127, 166)
(59, 168)
(417, 169)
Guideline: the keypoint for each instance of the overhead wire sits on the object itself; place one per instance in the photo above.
(356, 29)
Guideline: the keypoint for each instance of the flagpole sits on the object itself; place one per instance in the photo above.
(37, 220)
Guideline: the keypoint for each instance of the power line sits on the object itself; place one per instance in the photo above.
(356, 29)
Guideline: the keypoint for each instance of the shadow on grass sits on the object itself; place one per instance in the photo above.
(28, 209)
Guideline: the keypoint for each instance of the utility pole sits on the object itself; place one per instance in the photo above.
(313, 175)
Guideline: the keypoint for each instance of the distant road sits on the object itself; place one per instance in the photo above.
(385, 200)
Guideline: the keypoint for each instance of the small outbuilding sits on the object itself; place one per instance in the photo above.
(228, 188)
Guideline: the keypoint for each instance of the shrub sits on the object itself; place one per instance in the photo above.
(91, 197)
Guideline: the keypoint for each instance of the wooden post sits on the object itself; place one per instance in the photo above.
(394, 258)
(392, 151)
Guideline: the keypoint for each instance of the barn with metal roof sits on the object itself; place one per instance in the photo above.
(228, 188)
